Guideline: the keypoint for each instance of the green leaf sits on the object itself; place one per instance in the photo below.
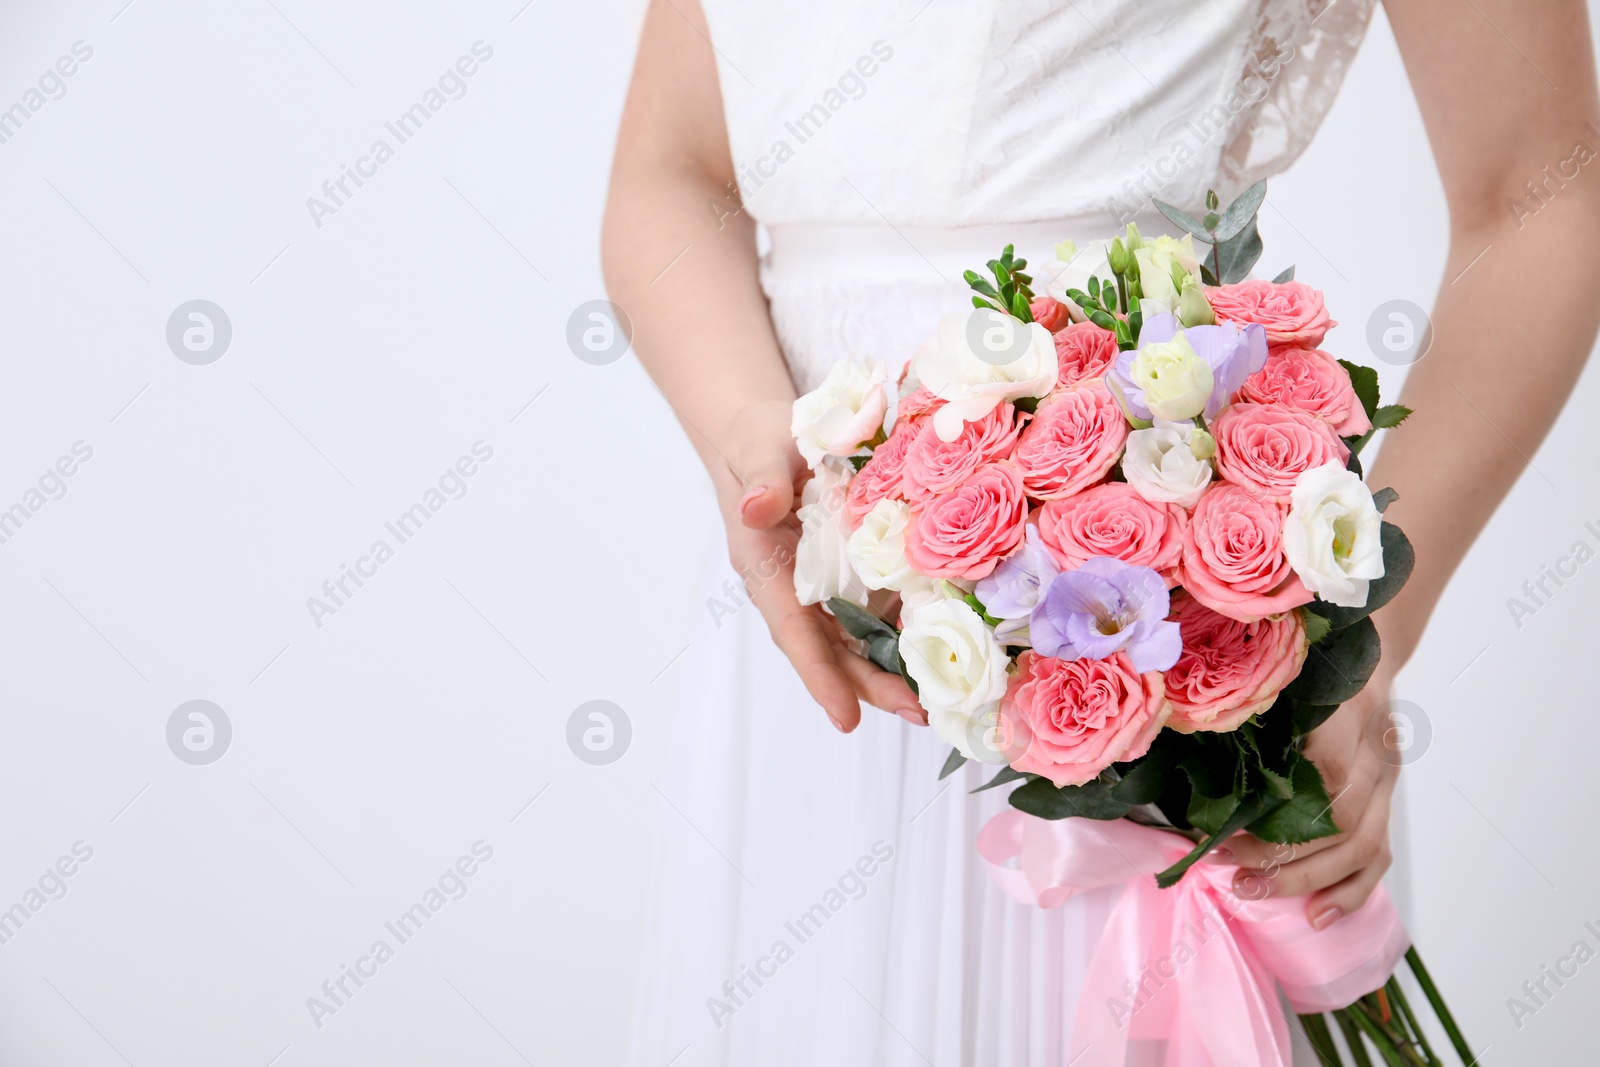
(1145, 780)
(1019, 307)
(1339, 667)
(1209, 813)
(1211, 220)
(1308, 717)
(952, 763)
(1365, 381)
(1247, 812)
(1383, 498)
(905, 675)
(884, 651)
(1306, 817)
(1102, 320)
(1277, 784)
(1184, 221)
(1389, 416)
(1092, 801)
(857, 621)
(981, 284)
(1354, 463)
(1241, 213)
(1286, 275)
(1007, 774)
(1399, 559)
(1212, 202)
(977, 605)
(1317, 626)
(1030, 404)
(1206, 275)
(1235, 257)
(1211, 768)
(860, 461)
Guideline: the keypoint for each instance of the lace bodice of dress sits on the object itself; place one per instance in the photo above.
(959, 112)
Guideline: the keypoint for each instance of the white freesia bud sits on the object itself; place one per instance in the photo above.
(877, 550)
(959, 668)
(981, 360)
(1165, 464)
(843, 413)
(1332, 536)
(1072, 268)
(821, 564)
(1175, 380)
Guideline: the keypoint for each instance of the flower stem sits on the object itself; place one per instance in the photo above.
(1398, 995)
(1380, 1040)
(1352, 1037)
(1321, 1040)
(1446, 1020)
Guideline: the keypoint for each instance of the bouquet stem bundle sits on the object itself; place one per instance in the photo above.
(1385, 1020)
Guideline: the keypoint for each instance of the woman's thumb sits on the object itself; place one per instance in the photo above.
(769, 478)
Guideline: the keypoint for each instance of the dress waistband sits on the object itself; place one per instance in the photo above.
(926, 252)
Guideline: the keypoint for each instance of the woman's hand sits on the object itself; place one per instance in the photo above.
(757, 492)
(1359, 767)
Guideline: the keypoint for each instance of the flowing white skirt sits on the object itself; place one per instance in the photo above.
(817, 898)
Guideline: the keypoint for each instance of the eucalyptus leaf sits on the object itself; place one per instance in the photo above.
(1383, 498)
(1092, 801)
(1308, 717)
(1241, 212)
(1340, 666)
(1184, 221)
(884, 651)
(1286, 275)
(952, 763)
(905, 675)
(857, 621)
(1236, 256)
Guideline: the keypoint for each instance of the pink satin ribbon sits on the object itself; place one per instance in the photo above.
(1192, 966)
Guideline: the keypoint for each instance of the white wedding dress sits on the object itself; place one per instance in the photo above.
(817, 899)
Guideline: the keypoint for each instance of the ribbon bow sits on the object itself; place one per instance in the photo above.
(1192, 966)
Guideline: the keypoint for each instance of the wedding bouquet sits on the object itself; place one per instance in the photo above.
(1116, 537)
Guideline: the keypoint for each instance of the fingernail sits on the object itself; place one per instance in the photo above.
(837, 725)
(1250, 885)
(912, 716)
(1325, 918)
(755, 493)
(1218, 855)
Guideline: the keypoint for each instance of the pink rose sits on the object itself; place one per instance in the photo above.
(1292, 313)
(1233, 560)
(1229, 670)
(1265, 448)
(934, 465)
(880, 476)
(918, 404)
(1309, 380)
(965, 532)
(1049, 312)
(1075, 438)
(1079, 717)
(1114, 520)
(1083, 352)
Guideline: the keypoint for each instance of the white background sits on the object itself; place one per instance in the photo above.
(371, 352)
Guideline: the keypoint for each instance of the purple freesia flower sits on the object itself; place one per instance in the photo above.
(1010, 592)
(1233, 354)
(1104, 607)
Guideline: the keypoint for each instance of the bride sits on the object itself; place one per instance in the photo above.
(799, 183)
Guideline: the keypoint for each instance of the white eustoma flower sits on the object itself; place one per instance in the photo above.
(1162, 464)
(981, 360)
(877, 550)
(960, 671)
(1176, 382)
(843, 413)
(821, 564)
(1072, 268)
(920, 589)
(1332, 535)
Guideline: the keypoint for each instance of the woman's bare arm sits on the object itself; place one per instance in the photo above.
(1493, 382)
(680, 260)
